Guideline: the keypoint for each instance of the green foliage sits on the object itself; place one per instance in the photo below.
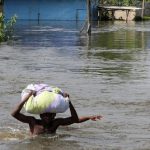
(7, 28)
(122, 2)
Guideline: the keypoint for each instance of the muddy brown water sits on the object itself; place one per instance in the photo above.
(107, 73)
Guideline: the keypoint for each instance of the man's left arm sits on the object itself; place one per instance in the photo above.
(74, 117)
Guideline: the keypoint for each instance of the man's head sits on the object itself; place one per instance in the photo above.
(47, 117)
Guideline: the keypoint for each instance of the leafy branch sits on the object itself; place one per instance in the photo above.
(7, 28)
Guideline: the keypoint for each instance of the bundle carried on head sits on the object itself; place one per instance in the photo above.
(46, 99)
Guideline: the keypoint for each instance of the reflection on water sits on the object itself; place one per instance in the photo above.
(48, 34)
(107, 73)
(107, 35)
(121, 35)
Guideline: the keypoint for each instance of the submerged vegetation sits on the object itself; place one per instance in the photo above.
(7, 28)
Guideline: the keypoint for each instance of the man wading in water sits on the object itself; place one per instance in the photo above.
(48, 123)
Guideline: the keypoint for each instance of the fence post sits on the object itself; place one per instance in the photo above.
(89, 16)
(143, 7)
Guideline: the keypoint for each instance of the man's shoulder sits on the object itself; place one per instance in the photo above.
(34, 121)
(63, 121)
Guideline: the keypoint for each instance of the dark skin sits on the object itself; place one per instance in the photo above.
(48, 123)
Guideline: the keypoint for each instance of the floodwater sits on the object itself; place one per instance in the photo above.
(107, 73)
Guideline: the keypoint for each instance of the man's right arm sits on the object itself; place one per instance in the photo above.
(19, 116)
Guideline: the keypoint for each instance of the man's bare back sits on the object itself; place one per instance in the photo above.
(37, 127)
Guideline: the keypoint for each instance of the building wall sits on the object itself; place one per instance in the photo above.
(122, 15)
(46, 9)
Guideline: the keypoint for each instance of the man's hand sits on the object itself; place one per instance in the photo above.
(33, 93)
(95, 118)
(65, 95)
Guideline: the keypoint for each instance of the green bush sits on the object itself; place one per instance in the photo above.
(123, 2)
(7, 28)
